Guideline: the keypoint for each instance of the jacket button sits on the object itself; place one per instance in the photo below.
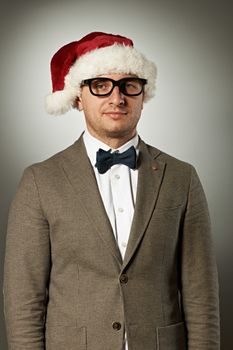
(116, 326)
(124, 278)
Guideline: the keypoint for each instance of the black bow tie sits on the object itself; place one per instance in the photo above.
(105, 159)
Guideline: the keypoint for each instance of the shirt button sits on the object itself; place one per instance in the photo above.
(124, 278)
(117, 176)
(124, 244)
(116, 326)
(121, 210)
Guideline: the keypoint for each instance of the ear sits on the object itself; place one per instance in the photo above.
(78, 104)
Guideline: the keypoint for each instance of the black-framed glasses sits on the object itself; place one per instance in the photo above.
(130, 86)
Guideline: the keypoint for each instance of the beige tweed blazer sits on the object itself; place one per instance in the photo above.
(65, 284)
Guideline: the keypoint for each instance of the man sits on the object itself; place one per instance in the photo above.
(108, 244)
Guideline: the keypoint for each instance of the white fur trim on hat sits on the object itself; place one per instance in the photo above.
(115, 59)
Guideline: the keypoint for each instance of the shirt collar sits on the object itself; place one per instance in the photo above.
(93, 145)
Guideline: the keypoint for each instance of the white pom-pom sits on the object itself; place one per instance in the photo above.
(60, 102)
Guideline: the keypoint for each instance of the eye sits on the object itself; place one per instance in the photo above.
(132, 85)
(100, 85)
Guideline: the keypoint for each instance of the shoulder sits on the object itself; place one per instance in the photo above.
(175, 171)
(180, 176)
(171, 162)
(54, 163)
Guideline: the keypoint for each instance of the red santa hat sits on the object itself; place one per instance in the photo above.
(95, 54)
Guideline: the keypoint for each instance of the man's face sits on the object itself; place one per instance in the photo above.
(112, 119)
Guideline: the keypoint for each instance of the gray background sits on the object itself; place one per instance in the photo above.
(190, 117)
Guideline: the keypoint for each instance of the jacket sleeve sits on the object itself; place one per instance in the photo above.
(27, 268)
(200, 294)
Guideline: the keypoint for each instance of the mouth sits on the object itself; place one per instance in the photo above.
(116, 114)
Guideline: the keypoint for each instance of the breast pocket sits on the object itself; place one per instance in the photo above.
(171, 206)
(172, 337)
(167, 219)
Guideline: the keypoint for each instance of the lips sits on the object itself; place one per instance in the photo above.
(115, 115)
(116, 112)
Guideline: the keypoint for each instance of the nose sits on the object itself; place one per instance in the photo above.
(117, 97)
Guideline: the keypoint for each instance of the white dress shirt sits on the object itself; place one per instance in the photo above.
(118, 188)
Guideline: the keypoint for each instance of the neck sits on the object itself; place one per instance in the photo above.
(116, 143)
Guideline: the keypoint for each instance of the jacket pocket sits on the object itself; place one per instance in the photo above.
(65, 337)
(172, 337)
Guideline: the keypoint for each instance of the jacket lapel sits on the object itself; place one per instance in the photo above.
(79, 171)
(150, 177)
